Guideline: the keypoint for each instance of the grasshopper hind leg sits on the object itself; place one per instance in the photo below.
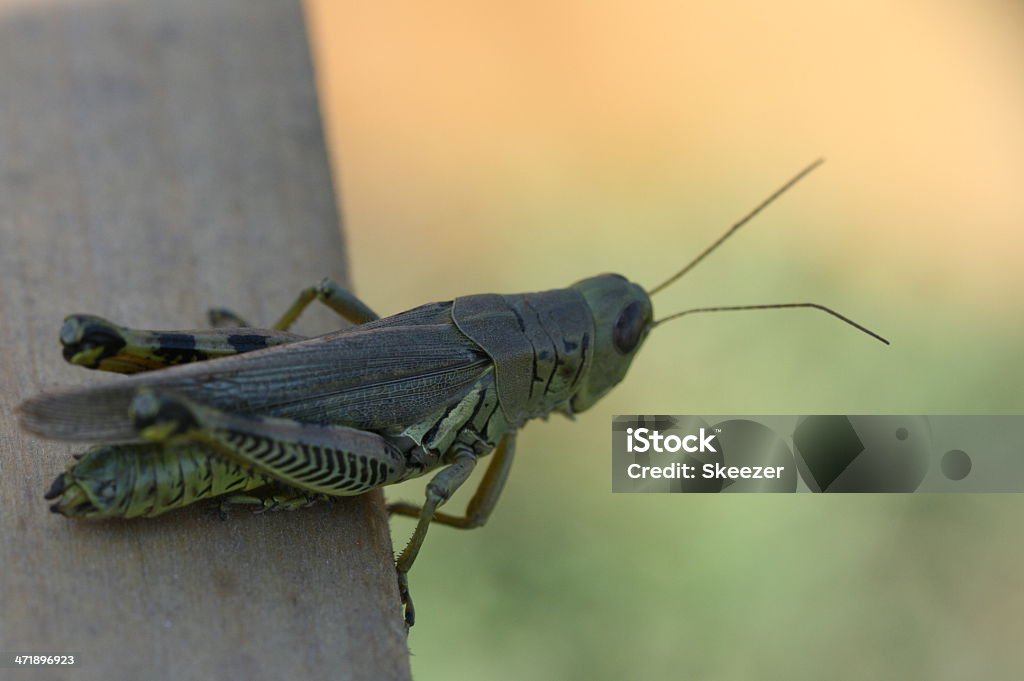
(319, 459)
(95, 343)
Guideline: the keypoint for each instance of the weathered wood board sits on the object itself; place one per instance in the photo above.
(158, 157)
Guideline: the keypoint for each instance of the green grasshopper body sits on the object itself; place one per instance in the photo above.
(448, 376)
(274, 420)
(387, 400)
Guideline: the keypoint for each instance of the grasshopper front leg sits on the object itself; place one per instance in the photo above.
(440, 488)
(479, 508)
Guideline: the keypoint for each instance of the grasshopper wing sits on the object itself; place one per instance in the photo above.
(377, 376)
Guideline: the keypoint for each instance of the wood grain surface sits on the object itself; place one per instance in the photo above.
(158, 157)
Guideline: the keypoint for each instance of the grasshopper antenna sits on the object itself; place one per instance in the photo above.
(732, 230)
(776, 306)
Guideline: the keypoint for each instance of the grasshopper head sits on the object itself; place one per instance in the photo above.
(623, 317)
(623, 314)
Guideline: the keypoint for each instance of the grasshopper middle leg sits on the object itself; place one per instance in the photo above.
(327, 291)
(273, 497)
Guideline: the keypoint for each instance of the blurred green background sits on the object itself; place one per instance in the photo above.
(503, 147)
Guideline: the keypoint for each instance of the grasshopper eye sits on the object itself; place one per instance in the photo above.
(629, 327)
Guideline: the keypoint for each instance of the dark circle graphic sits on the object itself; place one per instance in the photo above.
(901, 433)
(956, 464)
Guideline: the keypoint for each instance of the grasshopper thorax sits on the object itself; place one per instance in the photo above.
(623, 316)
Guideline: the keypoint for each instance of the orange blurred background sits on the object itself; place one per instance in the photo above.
(461, 123)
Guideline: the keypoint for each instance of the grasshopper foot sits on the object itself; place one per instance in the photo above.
(403, 592)
(220, 317)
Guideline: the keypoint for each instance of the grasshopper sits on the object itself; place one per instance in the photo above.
(273, 420)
